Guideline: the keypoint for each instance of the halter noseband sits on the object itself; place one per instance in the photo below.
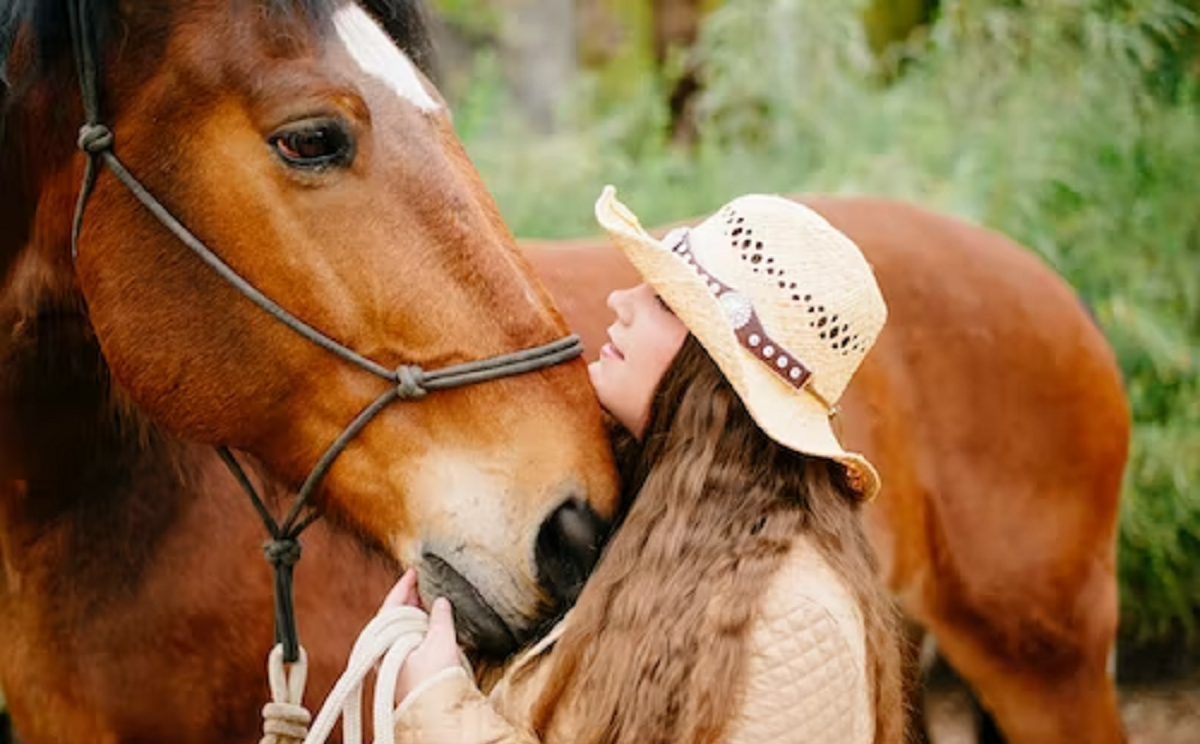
(408, 381)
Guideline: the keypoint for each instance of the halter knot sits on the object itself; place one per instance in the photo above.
(95, 138)
(408, 381)
(284, 552)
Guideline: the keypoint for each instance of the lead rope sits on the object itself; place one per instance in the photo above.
(391, 636)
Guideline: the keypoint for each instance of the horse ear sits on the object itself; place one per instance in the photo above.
(406, 22)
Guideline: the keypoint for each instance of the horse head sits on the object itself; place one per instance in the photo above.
(311, 153)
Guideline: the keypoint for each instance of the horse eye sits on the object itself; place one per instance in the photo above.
(314, 144)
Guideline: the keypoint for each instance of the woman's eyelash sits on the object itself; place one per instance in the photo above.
(662, 303)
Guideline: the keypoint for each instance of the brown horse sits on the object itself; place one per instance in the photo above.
(995, 412)
(295, 139)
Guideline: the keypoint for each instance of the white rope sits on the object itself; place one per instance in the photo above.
(391, 636)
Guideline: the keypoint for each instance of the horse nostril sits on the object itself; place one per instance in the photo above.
(568, 547)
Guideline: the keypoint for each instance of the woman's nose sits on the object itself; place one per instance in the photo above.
(617, 299)
(611, 300)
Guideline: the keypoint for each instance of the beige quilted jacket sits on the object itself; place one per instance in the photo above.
(805, 681)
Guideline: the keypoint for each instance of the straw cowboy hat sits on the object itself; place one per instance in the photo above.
(784, 303)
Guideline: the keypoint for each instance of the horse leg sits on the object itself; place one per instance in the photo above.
(1070, 699)
(1024, 710)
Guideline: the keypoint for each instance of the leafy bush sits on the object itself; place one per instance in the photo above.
(1044, 120)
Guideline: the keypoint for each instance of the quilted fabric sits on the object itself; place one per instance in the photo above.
(806, 679)
(453, 711)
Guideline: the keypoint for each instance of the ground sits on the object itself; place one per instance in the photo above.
(1164, 712)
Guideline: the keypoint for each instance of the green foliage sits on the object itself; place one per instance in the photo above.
(1044, 120)
(473, 18)
(891, 23)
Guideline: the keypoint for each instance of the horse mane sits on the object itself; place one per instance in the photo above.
(403, 20)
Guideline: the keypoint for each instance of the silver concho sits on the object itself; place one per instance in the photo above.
(737, 308)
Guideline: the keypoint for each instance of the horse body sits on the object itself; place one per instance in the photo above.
(300, 144)
(134, 606)
(142, 617)
(994, 411)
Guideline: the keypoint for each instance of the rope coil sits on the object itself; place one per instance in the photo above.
(385, 642)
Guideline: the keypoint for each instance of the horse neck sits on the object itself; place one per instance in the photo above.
(91, 490)
(83, 473)
(80, 466)
(63, 431)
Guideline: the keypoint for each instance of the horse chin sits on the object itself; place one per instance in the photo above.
(481, 629)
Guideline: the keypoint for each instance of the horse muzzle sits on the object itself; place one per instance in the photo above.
(568, 546)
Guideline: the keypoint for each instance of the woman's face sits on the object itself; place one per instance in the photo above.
(641, 345)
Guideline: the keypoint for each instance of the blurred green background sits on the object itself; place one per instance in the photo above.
(1073, 126)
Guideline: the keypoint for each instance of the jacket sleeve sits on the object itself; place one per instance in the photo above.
(450, 709)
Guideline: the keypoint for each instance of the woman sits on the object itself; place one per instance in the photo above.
(738, 601)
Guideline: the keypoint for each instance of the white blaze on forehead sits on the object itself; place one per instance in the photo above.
(379, 56)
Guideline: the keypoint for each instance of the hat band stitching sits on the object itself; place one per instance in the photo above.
(749, 331)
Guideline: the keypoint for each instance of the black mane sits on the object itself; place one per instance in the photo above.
(403, 20)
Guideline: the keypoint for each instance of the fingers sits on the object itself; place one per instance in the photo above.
(404, 592)
(441, 633)
(437, 651)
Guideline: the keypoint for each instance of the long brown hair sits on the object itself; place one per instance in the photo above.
(654, 650)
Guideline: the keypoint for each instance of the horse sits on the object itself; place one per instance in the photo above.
(994, 410)
(279, 248)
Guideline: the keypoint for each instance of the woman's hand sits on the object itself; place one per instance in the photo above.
(405, 592)
(438, 651)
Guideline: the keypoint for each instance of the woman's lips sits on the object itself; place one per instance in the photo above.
(610, 350)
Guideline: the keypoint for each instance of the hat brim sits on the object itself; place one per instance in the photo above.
(794, 418)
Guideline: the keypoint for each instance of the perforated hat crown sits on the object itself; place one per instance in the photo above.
(785, 304)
